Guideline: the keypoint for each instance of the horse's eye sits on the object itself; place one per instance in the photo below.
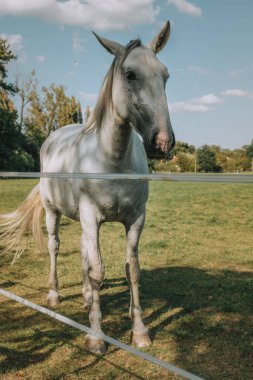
(130, 75)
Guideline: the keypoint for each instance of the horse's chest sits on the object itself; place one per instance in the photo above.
(117, 200)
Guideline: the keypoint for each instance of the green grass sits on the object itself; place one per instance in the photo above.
(196, 288)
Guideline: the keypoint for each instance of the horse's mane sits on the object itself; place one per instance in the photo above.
(104, 101)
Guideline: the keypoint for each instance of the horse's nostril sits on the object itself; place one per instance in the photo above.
(154, 140)
(173, 141)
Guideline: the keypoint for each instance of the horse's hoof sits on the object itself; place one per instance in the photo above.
(95, 345)
(141, 340)
(53, 301)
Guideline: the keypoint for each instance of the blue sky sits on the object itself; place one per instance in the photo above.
(209, 55)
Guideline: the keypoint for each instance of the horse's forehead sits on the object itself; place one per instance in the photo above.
(144, 58)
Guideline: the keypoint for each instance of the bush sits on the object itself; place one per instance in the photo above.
(21, 161)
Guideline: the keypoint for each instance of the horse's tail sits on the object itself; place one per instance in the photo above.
(27, 217)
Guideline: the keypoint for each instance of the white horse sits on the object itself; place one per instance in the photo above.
(132, 102)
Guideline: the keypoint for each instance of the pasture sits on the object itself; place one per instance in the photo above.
(196, 289)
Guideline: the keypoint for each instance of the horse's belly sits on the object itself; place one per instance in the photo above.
(113, 200)
(57, 194)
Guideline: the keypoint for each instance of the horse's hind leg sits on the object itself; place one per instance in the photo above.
(53, 222)
(140, 335)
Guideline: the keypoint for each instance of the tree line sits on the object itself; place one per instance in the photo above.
(207, 158)
(24, 127)
(39, 111)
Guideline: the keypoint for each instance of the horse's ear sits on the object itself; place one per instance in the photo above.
(113, 47)
(159, 41)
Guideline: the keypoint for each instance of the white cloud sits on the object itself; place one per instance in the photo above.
(185, 6)
(204, 103)
(77, 43)
(237, 92)
(88, 97)
(199, 70)
(22, 57)
(176, 71)
(240, 71)
(97, 14)
(14, 40)
(235, 73)
(209, 99)
(40, 58)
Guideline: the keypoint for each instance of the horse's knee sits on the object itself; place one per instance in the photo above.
(96, 274)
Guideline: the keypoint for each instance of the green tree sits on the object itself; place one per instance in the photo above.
(46, 113)
(6, 56)
(249, 150)
(183, 147)
(20, 142)
(249, 153)
(53, 111)
(26, 89)
(233, 160)
(9, 133)
(206, 158)
(185, 162)
(12, 154)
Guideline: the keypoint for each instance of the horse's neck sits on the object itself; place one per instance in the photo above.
(115, 138)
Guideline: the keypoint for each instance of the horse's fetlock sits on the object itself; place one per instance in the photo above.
(135, 312)
(95, 317)
(53, 285)
(96, 274)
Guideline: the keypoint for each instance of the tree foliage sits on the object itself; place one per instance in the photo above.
(51, 111)
(207, 160)
(26, 90)
(40, 113)
(183, 147)
(249, 150)
(6, 56)
(11, 139)
(186, 158)
(46, 113)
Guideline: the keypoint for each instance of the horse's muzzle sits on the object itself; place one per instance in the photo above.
(161, 145)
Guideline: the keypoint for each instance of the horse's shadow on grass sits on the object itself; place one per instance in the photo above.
(206, 314)
(190, 306)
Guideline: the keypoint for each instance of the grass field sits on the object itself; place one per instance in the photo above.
(196, 256)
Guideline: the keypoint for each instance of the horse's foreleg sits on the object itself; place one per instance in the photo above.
(86, 290)
(93, 271)
(140, 335)
(52, 223)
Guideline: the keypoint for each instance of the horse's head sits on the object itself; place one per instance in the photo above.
(138, 96)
